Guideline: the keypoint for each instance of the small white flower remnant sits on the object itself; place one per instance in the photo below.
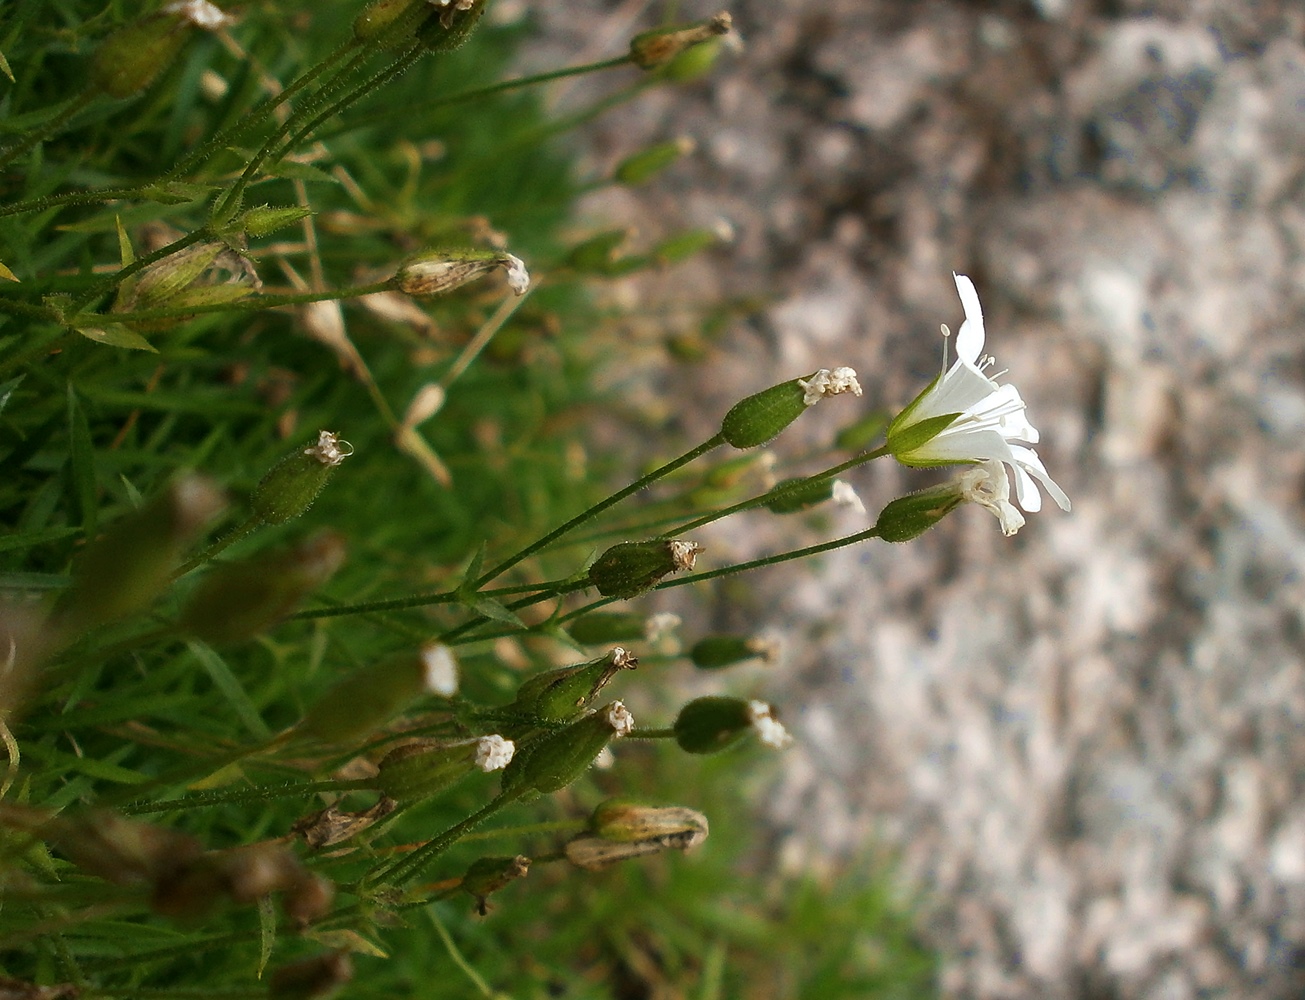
(622, 659)
(989, 425)
(459, 5)
(769, 729)
(493, 753)
(620, 719)
(518, 278)
(441, 669)
(659, 626)
(201, 14)
(829, 383)
(685, 554)
(329, 450)
(844, 496)
(989, 487)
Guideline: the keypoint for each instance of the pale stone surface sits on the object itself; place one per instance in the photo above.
(1088, 742)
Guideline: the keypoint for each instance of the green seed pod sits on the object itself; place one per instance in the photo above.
(265, 219)
(381, 16)
(453, 25)
(651, 161)
(239, 600)
(792, 496)
(158, 284)
(311, 978)
(911, 516)
(630, 568)
(600, 254)
(424, 768)
(685, 245)
(622, 821)
(368, 698)
(601, 627)
(560, 695)
(291, 486)
(131, 58)
(488, 875)
(558, 758)
(694, 62)
(437, 271)
(717, 651)
(654, 49)
(760, 418)
(123, 570)
(709, 725)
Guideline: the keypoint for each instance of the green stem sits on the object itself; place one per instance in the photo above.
(407, 869)
(245, 796)
(529, 829)
(419, 601)
(229, 203)
(408, 112)
(773, 495)
(243, 530)
(653, 734)
(43, 132)
(598, 508)
(251, 303)
(802, 553)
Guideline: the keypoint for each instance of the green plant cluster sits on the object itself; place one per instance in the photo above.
(207, 793)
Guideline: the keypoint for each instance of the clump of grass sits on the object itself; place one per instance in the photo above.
(263, 346)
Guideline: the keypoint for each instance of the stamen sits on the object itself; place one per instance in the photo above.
(947, 333)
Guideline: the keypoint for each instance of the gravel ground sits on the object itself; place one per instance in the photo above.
(1085, 744)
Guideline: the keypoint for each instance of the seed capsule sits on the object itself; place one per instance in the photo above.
(291, 486)
(654, 49)
(911, 516)
(630, 568)
(557, 759)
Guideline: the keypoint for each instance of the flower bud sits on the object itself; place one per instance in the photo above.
(368, 698)
(311, 978)
(452, 26)
(131, 58)
(627, 822)
(558, 758)
(630, 568)
(560, 695)
(265, 219)
(709, 725)
(647, 162)
(760, 417)
(654, 49)
(911, 516)
(424, 768)
(717, 651)
(239, 600)
(291, 486)
(488, 875)
(123, 570)
(795, 495)
(601, 627)
(439, 271)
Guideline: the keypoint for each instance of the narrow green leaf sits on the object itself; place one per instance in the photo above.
(7, 390)
(4, 68)
(347, 940)
(7, 274)
(133, 494)
(81, 463)
(290, 170)
(231, 688)
(27, 540)
(266, 932)
(117, 335)
(125, 253)
(491, 608)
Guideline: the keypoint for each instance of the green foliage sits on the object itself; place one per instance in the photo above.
(169, 227)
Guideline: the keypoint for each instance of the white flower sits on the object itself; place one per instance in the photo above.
(440, 669)
(620, 719)
(201, 13)
(844, 496)
(330, 449)
(769, 729)
(829, 383)
(964, 416)
(493, 753)
(989, 486)
(518, 278)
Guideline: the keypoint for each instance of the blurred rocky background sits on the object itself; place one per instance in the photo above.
(1084, 746)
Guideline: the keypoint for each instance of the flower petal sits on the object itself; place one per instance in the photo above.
(969, 338)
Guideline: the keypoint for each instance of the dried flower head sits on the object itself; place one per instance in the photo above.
(330, 450)
(441, 669)
(201, 14)
(493, 753)
(827, 382)
(620, 719)
(685, 554)
(769, 730)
